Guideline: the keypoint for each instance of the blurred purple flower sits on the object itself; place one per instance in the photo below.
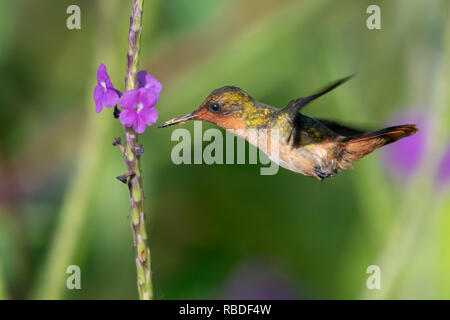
(443, 172)
(254, 280)
(138, 111)
(405, 156)
(104, 92)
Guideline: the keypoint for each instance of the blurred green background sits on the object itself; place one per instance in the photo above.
(223, 231)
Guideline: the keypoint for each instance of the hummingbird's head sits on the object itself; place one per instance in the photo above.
(229, 107)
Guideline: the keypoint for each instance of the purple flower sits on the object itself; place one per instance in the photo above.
(147, 81)
(138, 111)
(137, 105)
(104, 92)
(257, 279)
(405, 156)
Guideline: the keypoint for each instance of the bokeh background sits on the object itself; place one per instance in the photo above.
(224, 231)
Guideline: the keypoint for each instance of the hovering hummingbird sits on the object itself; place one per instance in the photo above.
(313, 147)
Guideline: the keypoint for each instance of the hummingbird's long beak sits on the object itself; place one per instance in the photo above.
(182, 119)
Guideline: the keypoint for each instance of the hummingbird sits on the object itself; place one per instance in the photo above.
(312, 147)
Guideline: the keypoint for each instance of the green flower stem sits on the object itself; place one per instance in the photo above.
(3, 294)
(65, 244)
(132, 160)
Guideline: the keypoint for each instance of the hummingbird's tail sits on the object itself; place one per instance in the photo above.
(356, 147)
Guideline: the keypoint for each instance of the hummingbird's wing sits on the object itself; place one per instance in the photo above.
(295, 105)
(341, 129)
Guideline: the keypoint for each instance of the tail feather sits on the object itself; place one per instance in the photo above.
(357, 147)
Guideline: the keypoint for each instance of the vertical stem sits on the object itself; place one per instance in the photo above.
(65, 244)
(3, 293)
(132, 160)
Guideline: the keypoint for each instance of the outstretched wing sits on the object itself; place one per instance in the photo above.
(341, 129)
(295, 105)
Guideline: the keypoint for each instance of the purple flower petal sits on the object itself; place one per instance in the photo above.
(147, 97)
(129, 99)
(145, 80)
(128, 117)
(103, 77)
(150, 115)
(110, 98)
(118, 92)
(142, 78)
(98, 98)
(139, 125)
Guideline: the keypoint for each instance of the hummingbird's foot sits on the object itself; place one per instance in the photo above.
(321, 173)
(137, 149)
(124, 177)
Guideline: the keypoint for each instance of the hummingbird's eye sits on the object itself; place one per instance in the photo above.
(215, 107)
